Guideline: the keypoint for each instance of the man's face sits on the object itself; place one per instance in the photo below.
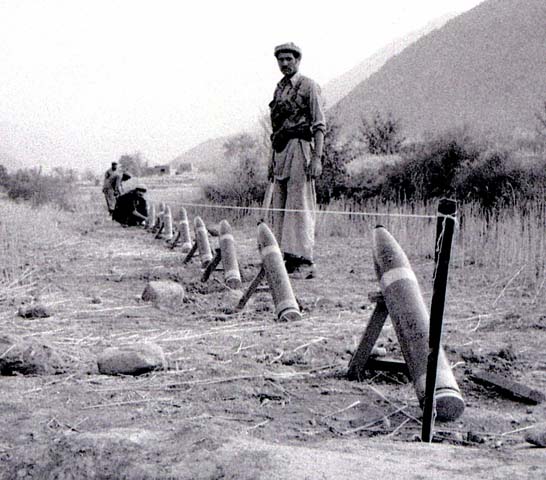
(114, 166)
(288, 63)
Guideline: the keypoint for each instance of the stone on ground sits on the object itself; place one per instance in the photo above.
(28, 357)
(132, 359)
(537, 435)
(164, 293)
(35, 310)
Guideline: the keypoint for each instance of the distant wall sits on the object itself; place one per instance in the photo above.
(163, 170)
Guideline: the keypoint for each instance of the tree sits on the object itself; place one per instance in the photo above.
(133, 164)
(382, 134)
(541, 117)
(4, 176)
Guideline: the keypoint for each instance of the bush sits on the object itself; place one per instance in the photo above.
(333, 182)
(492, 181)
(430, 169)
(246, 181)
(39, 189)
(382, 134)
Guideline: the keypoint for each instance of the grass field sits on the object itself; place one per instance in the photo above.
(248, 397)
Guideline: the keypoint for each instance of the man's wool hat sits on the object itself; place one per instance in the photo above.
(141, 186)
(288, 47)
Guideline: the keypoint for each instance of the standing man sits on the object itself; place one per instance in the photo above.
(111, 186)
(298, 127)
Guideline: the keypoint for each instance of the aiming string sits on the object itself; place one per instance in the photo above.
(295, 210)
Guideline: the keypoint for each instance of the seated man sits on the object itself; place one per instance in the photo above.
(131, 207)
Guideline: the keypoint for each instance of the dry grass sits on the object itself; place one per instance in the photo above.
(510, 240)
(27, 235)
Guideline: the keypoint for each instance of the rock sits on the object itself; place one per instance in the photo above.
(537, 435)
(473, 437)
(28, 357)
(132, 359)
(164, 293)
(35, 310)
(96, 300)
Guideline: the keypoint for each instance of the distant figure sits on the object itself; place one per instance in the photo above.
(298, 126)
(132, 207)
(111, 186)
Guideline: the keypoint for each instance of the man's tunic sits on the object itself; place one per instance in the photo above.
(126, 205)
(296, 114)
(111, 187)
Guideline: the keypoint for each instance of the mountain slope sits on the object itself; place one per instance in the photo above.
(205, 156)
(337, 88)
(486, 68)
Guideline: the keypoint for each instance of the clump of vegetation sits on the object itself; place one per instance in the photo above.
(382, 134)
(27, 236)
(244, 181)
(453, 164)
(332, 183)
(429, 169)
(39, 189)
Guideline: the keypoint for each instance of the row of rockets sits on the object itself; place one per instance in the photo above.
(399, 286)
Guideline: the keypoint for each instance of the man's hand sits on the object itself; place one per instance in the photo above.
(315, 167)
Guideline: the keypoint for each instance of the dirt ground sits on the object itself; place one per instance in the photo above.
(246, 397)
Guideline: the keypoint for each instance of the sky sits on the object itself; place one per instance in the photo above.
(83, 82)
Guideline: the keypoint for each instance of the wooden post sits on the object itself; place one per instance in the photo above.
(191, 253)
(175, 240)
(251, 289)
(212, 265)
(358, 362)
(445, 226)
(160, 231)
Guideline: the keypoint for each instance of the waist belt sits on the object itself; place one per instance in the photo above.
(280, 138)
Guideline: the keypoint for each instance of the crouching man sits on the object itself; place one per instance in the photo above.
(132, 207)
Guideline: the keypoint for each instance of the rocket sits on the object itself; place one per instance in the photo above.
(184, 229)
(232, 276)
(168, 224)
(410, 318)
(202, 240)
(150, 222)
(286, 305)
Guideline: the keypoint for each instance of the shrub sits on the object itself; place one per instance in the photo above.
(382, 134)
(39, 189)
(492, 181)
(429, 170)
(245, 181)
(333, 182)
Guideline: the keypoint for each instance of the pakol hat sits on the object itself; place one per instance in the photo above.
(141, 187)
(288, 47)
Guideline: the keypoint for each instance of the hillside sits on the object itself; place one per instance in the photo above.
(485, 69)
(336, 89)
(205, 156)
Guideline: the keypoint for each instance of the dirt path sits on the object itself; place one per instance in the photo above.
(245, 396)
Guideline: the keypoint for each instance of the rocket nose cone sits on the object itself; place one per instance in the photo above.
(376, 267)
(225, 227)
(198, 222)
(387, 251)
(183, 213)
(265, 236)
